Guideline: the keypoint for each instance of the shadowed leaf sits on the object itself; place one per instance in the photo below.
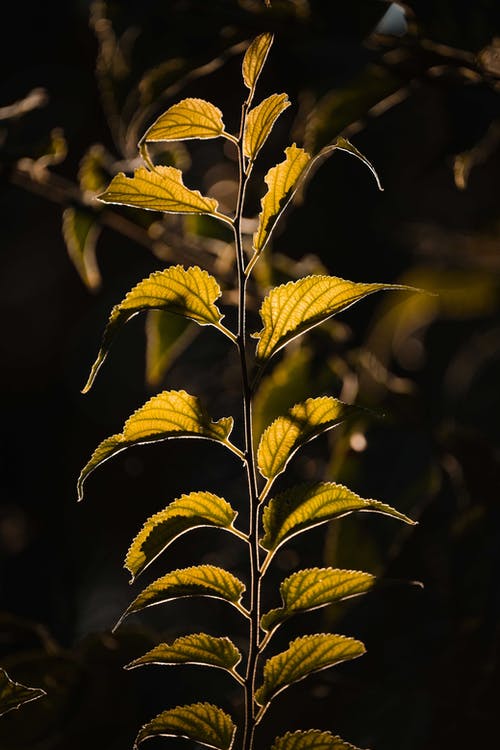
(314, 588)
(255, 58)
(312, 739)
(305, 655)
(167, 336)
(189, 292)
(81, 232)
(187, 512)
(169, 414)
(13, 694)
(199, 648)
(260, 122)
(189, 118)
(200, 722)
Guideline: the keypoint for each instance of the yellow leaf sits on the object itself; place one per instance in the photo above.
(304, 421)
(282, 182)
(189, 118)
(305, 655)
(308, 505)
(13, 694)
(167, 415)
(199, 580)
(188, 292)
(260, 122)
(200, 722)
(255, 58)
(312, 739)
(80, 232)
(187, 512)
(293, 308)
(161, 190)
(199, 648)
(313, 588)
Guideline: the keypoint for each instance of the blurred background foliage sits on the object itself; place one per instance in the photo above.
(416, 87)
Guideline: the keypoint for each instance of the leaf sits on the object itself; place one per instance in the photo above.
(282, 182)
(303, 422)
(188, 292)
(161, 190)
(200, 722)
(307, 505)
(200, 648)
(255, 58)
(167, 336)
(14, 695)
(312, 739)
(167, 415)
(304, 656)
(187, 512)
(313, 588)
(342, 144)
(295, 307)
(189, 118)
(92, 174)
(260, 122)
(80, 232)
(199, 580)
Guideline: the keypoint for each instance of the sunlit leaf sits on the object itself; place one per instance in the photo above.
(199, 648)
(255, 58)
(187, 512)
(260, 122)
(199, 580)
(189, 118)
(312, 739)
(80, 232)
(167, 415)
(314, 588)
(200, 722)
(293, 308)
(305, 655)
(167, 336)
(92, 174)
(307, 505)
(13, 694)
(282, 182)
(342, 144)
(161, 190)
(303, 421)
(188, 292)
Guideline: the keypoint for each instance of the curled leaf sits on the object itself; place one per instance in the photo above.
(200, 722)
(312, 739)
(14, 695)
(189, 118)
(199, 648)
(255, 58)
(260, 122)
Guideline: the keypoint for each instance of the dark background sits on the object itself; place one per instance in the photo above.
(430, 679)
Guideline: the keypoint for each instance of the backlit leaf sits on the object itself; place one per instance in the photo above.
(167, 336)
(308, 505)
(92, 174)
(193, 649)
(161, 190)
(200, 722)
(342, 144)
(314, 588)
(189, 118)
(255, 58)
(187, 512)
(293, 308)
(199, 580)
(260, 122)
(282, 182)
(305, 655)
(80, 232)
(189, 292)
(312, 739)
(303, 421)
(13, 694)
(167, 415)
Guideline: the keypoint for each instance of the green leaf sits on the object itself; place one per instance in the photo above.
(13, 694)
(92, 174)
(305, 655)
(80, 232)
(312, 739)
(187, 512)
(308, 505)
(167, 415)
(200, 722)
(293, 308)
(189, 292)
(189, 118)
(199, 580)
(313, 588)
(161, 190)
(303, 422)
(282, 182)
(260, 122)
(255, 58)
(200, 648)
(167, 336)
